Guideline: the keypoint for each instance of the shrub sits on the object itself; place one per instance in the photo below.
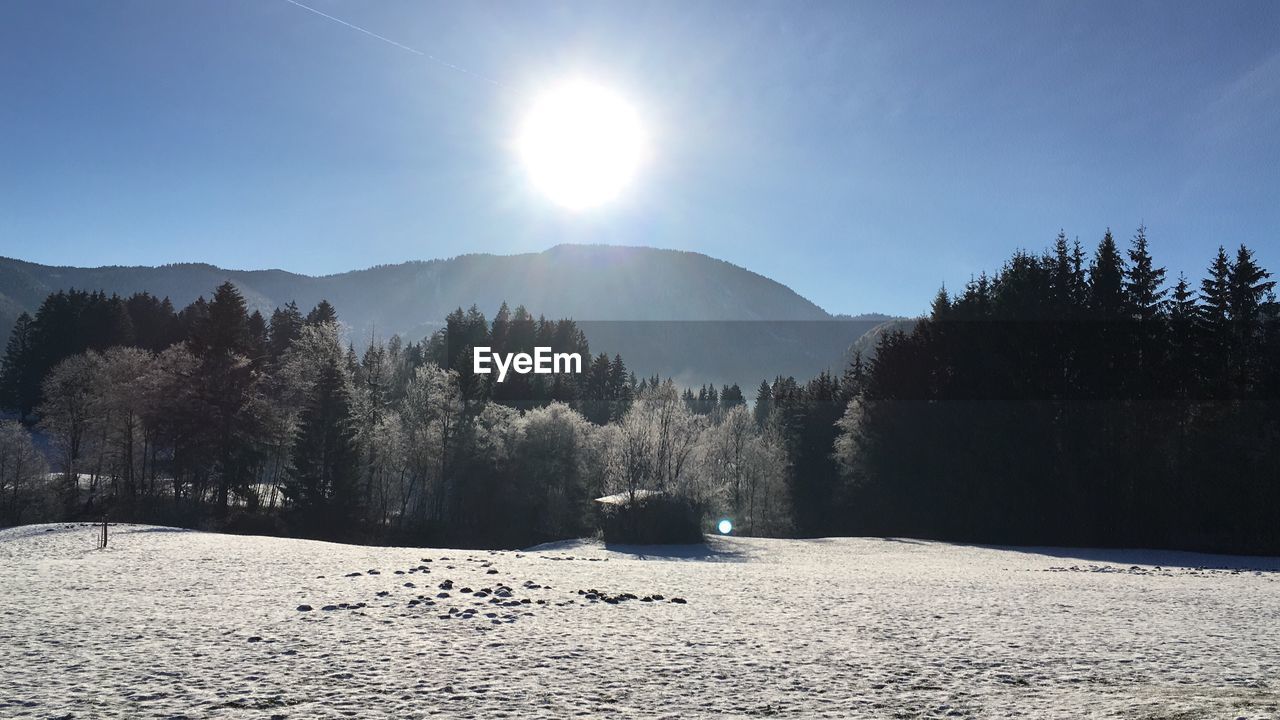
(652, 520)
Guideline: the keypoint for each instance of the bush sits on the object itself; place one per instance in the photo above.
(653, 520)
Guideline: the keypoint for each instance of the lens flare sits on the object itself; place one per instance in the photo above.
(725, 527)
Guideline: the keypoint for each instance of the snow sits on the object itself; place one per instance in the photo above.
(161, 624)
(623, 498)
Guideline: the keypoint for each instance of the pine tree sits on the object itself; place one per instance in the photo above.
(1248, 292)
(1247, 289)
(224, 330)
(764, 403)
(257, 335)
(322, 482)
(1106, 280)
(731, 397)
(854, 380)
(1063, 284)
(940, 308)
(620, 388)
(1182, 306)
(286, 326)
(499, 336)
(1143, 280)
(1183, 368)
(19, 371)
(226, 383)
(322, 313)
(1215, 294)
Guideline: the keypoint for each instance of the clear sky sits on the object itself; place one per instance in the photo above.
(861, 153)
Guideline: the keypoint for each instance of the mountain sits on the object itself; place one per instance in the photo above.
(629, 299)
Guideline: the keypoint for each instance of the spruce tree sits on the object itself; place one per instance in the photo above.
(257, 335)
(224, 330)
(501, 330)
(322, 313)
(323, 478)
(731, 397)
(1106, 280)
(19, 371)
(764, 404)
(1247, 294)
(855, 377)
(1143, 280)
(1182, 306)
(1247, 289)
(940, 308)
(286, 326)
(1215, 294)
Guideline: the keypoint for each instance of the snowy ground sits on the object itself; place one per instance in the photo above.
(167, 623)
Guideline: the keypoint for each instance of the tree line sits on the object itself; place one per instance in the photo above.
(1070, 398)
(1077, 400)
(215, 416)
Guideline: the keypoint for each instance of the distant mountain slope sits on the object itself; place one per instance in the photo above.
(584, 282)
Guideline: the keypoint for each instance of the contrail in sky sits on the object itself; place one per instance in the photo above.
(402, 46)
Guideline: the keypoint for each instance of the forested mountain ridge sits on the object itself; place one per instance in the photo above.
(587, 282)
(598, 284)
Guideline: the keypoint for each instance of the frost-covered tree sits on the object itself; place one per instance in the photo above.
(24, 478)
(322, 483)
(744, 469)
(122, 395)
(68, 413)
(432, 417)
(652, 446)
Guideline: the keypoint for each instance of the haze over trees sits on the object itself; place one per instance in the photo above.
(628, 299)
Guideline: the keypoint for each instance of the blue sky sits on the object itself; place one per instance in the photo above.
(861, 153)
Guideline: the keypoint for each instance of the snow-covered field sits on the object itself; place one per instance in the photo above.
(167, 623)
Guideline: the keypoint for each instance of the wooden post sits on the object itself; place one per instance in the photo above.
(102, 543)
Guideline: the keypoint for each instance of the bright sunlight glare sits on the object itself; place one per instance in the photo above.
(581, 144)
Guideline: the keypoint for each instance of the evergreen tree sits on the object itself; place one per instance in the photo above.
(1247, 294)
(731, 397)
(1143, 280)
(1215, 294)
(1106, 280)
(1065, 284)
(257, 335)
(1182, 306)
(224, 330)
(322, 481)
(620, 390)
(764, 403)
(154, 322)
(855, 377)
(1247, 289)
(940, 308)
(322, 313)
(499, 336)
(227, 379)
(286, 326)
(20, 371)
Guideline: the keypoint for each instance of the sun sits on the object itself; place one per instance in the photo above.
(581, 144)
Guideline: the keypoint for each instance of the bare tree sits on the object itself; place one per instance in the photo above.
(68, 413)
(24, 477)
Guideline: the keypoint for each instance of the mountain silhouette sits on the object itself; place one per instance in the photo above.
(671, 312)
